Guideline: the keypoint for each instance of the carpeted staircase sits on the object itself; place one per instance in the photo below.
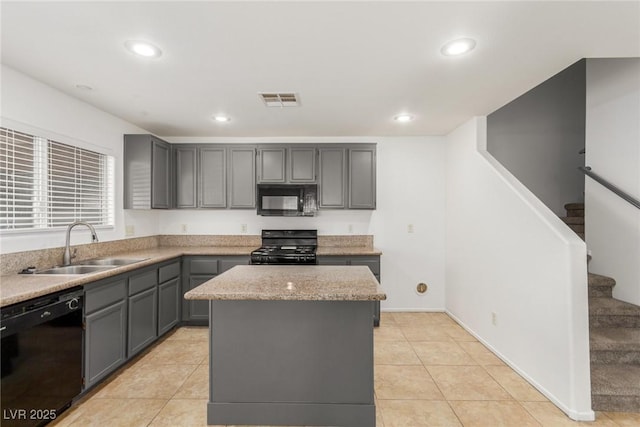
(614, 336)
(575, 218)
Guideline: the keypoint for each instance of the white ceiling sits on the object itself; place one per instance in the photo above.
(354, 65)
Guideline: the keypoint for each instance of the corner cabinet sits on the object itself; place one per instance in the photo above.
(147, 172)
(196, 271)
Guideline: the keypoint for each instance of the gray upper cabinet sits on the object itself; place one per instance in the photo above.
(147, 172)
(200, 176)
(161, 175)
(302, 164)
(225, 176)
(332, 185)
(347, 176)
(185, 167)
(212, 177)
(242, 177)
(362, 178)
(271, 165)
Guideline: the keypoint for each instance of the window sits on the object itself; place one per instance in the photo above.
(45, 184)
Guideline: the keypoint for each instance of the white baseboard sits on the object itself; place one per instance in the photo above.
(574, 415)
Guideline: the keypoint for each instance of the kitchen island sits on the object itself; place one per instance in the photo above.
(291, 345)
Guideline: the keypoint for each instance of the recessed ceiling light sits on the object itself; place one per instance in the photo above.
(143, 48)
(458, 47)
(221, 119)
(403, 118)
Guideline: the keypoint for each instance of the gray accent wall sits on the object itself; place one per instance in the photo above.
(538, 137)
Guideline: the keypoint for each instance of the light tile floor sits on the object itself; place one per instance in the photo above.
(428, 372)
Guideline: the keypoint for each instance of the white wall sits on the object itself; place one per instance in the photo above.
(508, 254)
(410, 190)
(613, 151)
(33, 107)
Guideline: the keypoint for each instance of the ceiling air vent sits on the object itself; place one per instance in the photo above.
(272, 99)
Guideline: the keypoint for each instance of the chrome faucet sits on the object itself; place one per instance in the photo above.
(66, 258)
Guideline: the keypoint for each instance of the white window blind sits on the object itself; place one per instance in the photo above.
(47, 184)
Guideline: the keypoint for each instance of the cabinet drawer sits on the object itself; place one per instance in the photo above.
(203, 266)
(103, 295)
(143, 281)
(168, 272)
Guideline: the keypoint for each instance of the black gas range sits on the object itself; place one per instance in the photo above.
(287, 247)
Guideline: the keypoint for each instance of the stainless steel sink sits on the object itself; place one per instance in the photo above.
(76, 269)
(111, 261)
(91, 266)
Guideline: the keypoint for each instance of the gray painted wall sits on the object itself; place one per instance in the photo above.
(538, 136)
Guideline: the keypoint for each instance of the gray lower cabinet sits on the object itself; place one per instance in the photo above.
(105, 328)
(168, 305)
(242, 177)
(147, 172)
(143, 310)
(143, 320)
(371, 261)
(196, 271)
(168, 296)
(126, 313)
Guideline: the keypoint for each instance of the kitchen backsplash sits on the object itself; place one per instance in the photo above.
(44, 258)
(208, 240)
(12, 263)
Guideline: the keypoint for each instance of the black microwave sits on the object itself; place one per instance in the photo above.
(287, 199)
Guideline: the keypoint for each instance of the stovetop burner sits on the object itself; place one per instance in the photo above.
(286, 247)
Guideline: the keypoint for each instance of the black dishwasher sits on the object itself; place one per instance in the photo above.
(41, 354)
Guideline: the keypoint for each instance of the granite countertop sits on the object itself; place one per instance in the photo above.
(346, 250)
(292, 283)
(16, 288)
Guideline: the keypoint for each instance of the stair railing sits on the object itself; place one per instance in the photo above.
(626, 196)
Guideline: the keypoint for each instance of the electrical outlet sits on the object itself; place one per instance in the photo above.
(494, 318)
(410, 228)
(243, 228)
(350, 228)
(183, 228)
(129, 230)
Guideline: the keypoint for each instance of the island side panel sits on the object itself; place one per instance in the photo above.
(291, 363)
